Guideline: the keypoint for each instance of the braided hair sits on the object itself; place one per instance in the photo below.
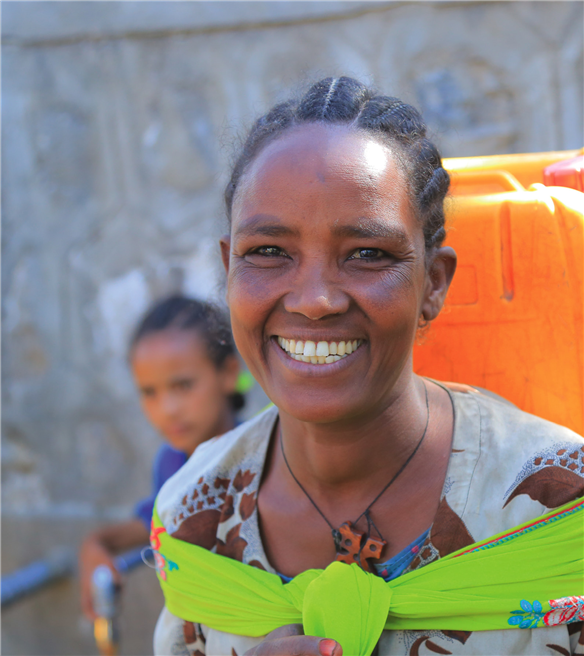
(344, 100)
(207, 320)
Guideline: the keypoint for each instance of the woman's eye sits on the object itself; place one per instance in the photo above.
(367, 254)
(268, 251)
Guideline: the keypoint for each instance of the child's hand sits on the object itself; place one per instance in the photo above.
(290, 640)
(99, 548)
(91, 555)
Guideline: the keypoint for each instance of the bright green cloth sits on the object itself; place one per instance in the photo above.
(514, 579)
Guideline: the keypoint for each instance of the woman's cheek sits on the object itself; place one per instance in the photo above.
(252, 294)
(245, 325)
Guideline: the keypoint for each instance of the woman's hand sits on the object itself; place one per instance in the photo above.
(290, 640)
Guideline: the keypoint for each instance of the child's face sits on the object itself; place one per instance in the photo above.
(183, 394)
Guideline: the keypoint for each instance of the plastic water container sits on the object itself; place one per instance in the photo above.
(513, 318)
(498, 173)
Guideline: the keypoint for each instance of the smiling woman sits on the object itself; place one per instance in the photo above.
(335, 257)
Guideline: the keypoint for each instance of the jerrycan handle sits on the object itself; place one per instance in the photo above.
(477, 179)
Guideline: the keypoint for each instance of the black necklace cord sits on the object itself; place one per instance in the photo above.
(333, 529)
(406, 463)
(371, 523)
(335, 532)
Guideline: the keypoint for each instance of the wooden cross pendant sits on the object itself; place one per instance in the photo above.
(354, 546)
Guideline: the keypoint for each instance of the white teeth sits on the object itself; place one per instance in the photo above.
(309, 348)
(318, 352)
(322, 348)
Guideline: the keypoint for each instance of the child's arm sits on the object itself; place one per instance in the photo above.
(100, 547)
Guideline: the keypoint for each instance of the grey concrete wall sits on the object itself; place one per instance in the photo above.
(119, 121)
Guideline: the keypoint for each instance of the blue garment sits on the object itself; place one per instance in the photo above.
(166, 463)
(393, 567)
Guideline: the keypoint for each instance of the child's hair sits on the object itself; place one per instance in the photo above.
(344, 100)
(207, 320)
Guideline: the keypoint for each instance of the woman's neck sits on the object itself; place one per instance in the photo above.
(341, 456)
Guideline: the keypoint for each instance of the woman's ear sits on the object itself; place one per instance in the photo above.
(225, 243)
(439, 276)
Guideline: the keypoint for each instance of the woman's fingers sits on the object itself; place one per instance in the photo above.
(296, 645)
(285, 631)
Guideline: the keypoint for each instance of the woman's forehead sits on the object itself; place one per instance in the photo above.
(320, 148)
(322, 165)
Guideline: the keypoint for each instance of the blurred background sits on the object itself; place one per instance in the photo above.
(119, 121)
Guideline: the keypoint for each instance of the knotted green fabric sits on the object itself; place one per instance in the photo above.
(529, 576)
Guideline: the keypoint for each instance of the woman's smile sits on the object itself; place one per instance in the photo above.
(342, 354)
(320, 352)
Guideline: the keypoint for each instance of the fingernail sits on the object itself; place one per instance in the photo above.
(327, 647)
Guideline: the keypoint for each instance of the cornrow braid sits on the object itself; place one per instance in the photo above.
(344, 100)
(329, 95)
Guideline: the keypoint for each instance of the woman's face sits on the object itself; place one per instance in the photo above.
(325, 248)
(182, 392)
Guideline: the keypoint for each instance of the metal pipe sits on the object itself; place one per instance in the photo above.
(59, 564)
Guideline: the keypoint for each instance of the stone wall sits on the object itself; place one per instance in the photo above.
(119, 122)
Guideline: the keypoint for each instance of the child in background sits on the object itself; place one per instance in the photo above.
(184, 364)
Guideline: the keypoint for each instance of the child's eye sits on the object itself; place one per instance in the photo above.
(367, 254)
(147, 392)
(183, 385)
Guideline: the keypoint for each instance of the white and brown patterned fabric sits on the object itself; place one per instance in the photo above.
(506, 467)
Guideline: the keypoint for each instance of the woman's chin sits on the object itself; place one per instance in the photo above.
(317, 408)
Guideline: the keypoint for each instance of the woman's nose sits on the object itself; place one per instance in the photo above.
(316, 295)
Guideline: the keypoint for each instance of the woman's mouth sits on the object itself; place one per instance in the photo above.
(318, 352)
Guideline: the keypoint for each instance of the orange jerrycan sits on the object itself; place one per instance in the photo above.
(513, 318)
(496, 173)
